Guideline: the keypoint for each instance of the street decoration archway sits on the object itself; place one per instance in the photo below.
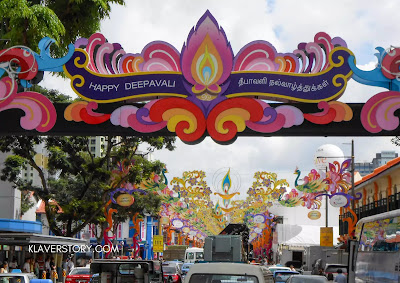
(189, 207)
(206, 90)
(203, 90)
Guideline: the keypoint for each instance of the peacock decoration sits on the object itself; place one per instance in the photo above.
(312, 182)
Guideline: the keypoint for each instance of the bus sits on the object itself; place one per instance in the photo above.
(374, 256)
(194, 254)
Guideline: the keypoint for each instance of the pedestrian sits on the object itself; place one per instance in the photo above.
(54, 274)
(27, 266)
(4, 268)
(321, 272)
(47, 267)
(13, 264)
(40, 262)
(330, 277)
(70, 265)
(64, 264)
(292, 268)
(52, 264)
(340, 278)
(36, 268)
(32, 265)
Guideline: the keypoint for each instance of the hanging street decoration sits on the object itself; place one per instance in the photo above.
(189, 209)
(203, 89)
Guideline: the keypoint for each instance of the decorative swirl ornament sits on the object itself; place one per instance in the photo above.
(378, 113)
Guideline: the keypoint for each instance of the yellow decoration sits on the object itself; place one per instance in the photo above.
(125, 200)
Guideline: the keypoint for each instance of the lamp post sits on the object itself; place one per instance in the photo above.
(352, 174)
(352, 178)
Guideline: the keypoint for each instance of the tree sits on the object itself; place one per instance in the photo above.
(83, 182)
(26, 22)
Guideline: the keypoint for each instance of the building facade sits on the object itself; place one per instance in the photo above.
(365, 168)
(380, 192)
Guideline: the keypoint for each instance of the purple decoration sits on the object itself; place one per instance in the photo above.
(349, 197)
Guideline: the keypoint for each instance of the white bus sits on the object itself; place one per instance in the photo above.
(194, 254)
(375, 256)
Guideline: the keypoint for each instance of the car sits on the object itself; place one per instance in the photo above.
(297, 264)
(127, 270)
(283, 275)
(333, 268)
(174, 262)
(95, 278)
(307, 279)
(228, 272)
(172, 274)
(79, 275)
(273, 268)
(185, 268)
(17, 277)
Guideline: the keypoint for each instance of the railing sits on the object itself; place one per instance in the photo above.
(390, 203)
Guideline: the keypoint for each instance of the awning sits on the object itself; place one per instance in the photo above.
(24, 239)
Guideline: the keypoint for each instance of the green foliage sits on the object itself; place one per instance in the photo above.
(54, 95)
(26, 202)
(26, 22)
(80, 183)
(149, 203)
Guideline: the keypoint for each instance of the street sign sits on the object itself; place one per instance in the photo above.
(326, 237)
(158, 243)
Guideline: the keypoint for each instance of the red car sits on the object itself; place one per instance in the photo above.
(172, 274)
(79, 275)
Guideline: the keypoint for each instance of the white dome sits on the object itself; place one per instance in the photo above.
(327, 153)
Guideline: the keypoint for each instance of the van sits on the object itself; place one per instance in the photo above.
(127, 271)
(194, 255)
(210, 272)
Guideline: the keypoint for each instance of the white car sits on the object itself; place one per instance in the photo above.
(16, 277)
(228, 272)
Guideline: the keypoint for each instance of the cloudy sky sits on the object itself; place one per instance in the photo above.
(284, 24)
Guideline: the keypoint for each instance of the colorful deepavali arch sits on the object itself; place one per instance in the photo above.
(204, 90)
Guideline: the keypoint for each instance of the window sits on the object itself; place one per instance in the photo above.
(77, 271)
(380, 235)
(199, 255)
(129, 268)
(93, 141)
(92, 148)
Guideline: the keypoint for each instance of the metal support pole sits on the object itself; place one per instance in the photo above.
(352, 174)
(326, 203)
(326, 211)
(64, 274)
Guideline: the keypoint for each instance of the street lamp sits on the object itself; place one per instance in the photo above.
(352, 173)
(352, 178)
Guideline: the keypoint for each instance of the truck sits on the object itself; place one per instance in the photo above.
(316, 257)
(175, 252)
(224, 248)
(312, 257)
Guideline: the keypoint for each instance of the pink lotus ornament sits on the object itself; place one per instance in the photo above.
(207, 58)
